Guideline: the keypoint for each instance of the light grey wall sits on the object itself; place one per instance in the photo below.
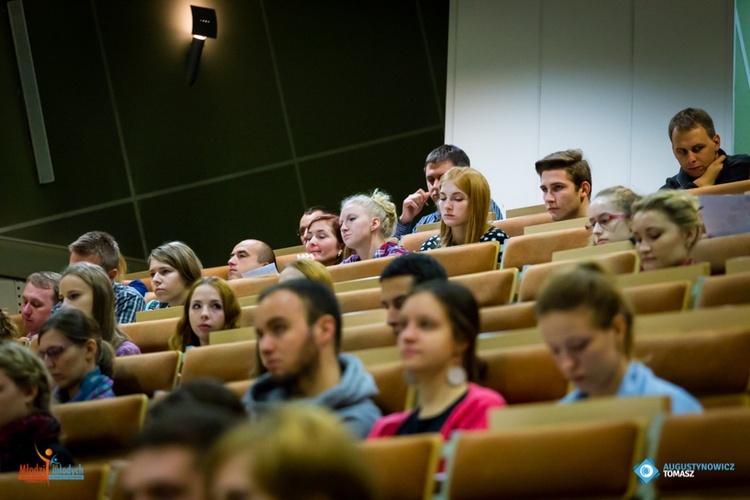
(529, 77)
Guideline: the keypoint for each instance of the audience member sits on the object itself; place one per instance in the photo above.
(79, 361)
(666, 227)
(296, 452)
(323, 241)
(566, 184)
(438, 162)
(306, 269)
(101, 249)
(299, 336)
(8, 330)
(401, 276)
(697, 148)
(174, 268)
(211, 305)
(437, 330)
(27, 429)
(251, 258)
(168, 454)
(609, 215)
(204, 392)
(587, 325)
(86, 287)
(366, 222)
(304, 221)
(464, 202)
(122, 269)
(38, 299)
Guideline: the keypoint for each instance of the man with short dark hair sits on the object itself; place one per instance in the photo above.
(298, 324)
(39, 296)
(697, 148)
(438, 162)
(401, 276)
(310, 214)
(251, 258)
(566, 184)
(101, 249)
(168, 452)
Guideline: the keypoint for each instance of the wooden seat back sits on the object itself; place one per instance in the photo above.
(716, 251)
(146, 373)
(515, 226)
(226, 362)
(413, 241)
(151, 336)
(724, 290)
(538, 248)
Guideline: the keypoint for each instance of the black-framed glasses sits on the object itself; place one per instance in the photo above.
(53, 352)
(604, 220)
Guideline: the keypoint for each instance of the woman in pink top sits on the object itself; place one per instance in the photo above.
(437, 330)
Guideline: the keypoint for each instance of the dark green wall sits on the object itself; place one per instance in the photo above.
(741, 82)
(296, 103)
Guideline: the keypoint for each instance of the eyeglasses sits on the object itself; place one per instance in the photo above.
(53, 352)
(604, 220)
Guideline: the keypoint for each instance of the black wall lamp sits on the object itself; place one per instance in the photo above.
(204, 26)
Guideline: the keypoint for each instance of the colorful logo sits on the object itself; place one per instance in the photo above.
(646, 471)
(51, 470)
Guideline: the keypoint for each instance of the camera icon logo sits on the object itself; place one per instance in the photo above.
(646, 471)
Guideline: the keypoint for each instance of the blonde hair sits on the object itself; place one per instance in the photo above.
(377, 204)
(297, 451)
(313, 270)
(477, 190)
(184, 335)
(27, 371)
(8, 329)
(588, 285)
(181, 257)
(680, 207)
(622, 197)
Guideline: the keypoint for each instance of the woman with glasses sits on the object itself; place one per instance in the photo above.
(26, 424)
(587, 325)
(609, 215)
(78, 360)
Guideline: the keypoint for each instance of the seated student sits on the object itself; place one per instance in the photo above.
(587, 325)
(666, 226)
(323, 241)
(366, 221)
(79, 361)
(464, 203)
(251, 258)
(8, 329)
(299, 337)
(306, 269)
(296, 452)
(304, 221)
(438, 162)
(609, 215)
(174, 267)
(87, 287)
(437, 330)
(40, 296)
(697, 148)
(565, 183)
(122, 270)
(211, 305)
(26, 424)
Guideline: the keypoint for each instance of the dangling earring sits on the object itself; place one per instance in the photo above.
(456, 376)
(339, 254)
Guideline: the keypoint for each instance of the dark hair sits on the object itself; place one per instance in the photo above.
(319, 301)
(315, 208)
(462, 310)
(203, 392)
(419, 265)
(79, 327)
(46, 280)
(690, 118)
(101, 244)
(335, 224)
(572, 162)
(195, 427)
(448, 152)
(586, 284)
(265, 253)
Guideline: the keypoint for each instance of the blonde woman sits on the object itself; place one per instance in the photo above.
(610, 213)
(464, 204)
(306, 269)
(367, 220)
(174, 268)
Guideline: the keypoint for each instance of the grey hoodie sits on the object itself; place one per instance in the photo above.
(350, 399)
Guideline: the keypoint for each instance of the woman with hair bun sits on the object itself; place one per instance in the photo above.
(367, 220)
(666, 227)
(609, 215)
(79, 361)
(464, 204)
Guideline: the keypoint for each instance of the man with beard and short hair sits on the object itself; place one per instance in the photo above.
(298, 324)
